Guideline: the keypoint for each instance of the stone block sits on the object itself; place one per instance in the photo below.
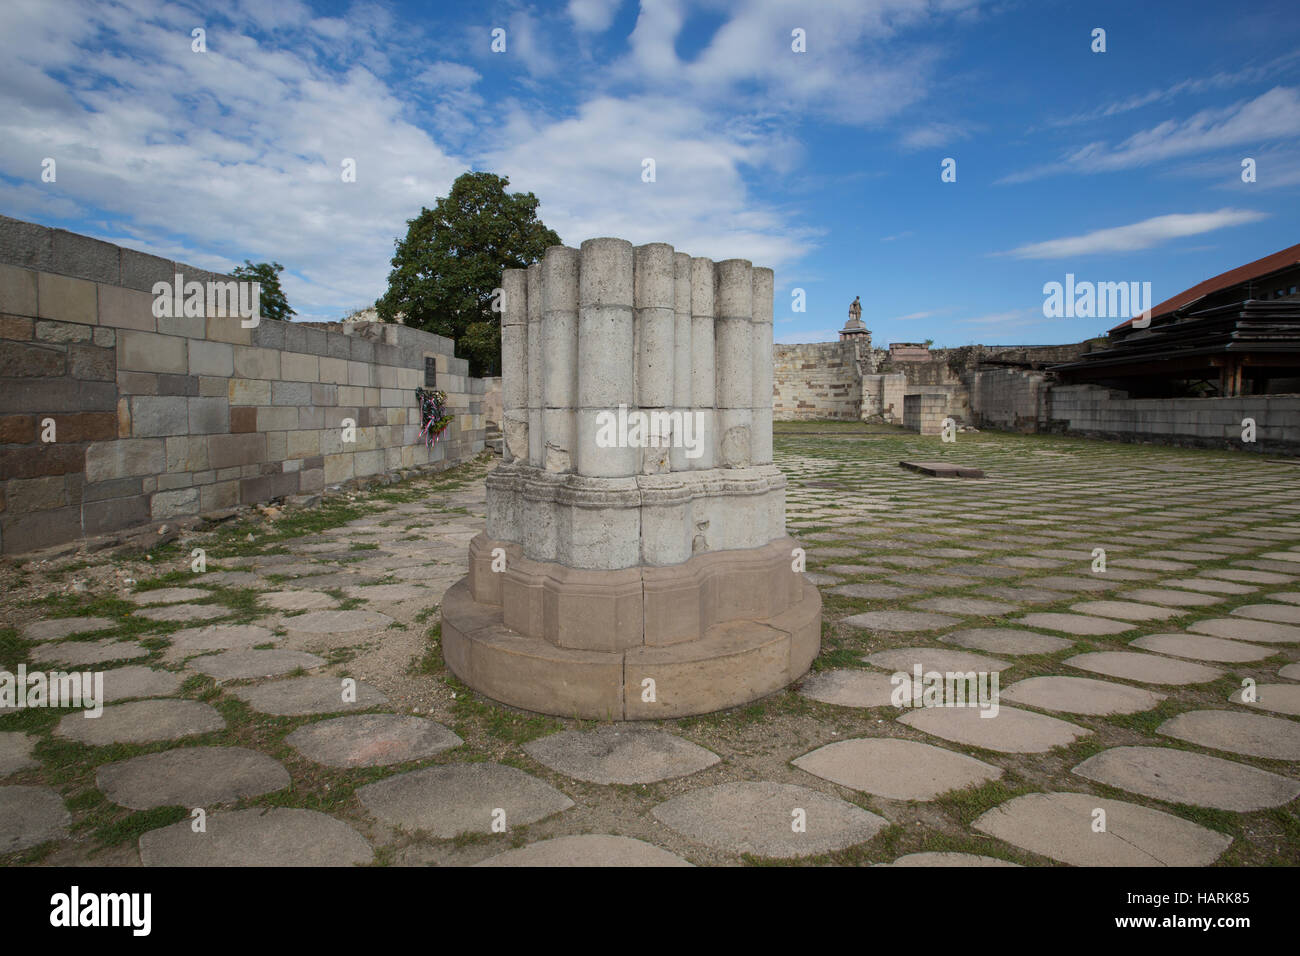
(87, 363)
(174, 504)
(256, 363)
(277, 419)
(40, 529)
(61, 333)
(44, 459)
(311, 480)
(277, 446)
(243, 391)
(211, 358)
(156, 416)
(124, 458)
(16, 327)
(114, 514)
(338, 468)
(66, 299)
(266, 487)
(208, 415)
(150, 352)
(20, 360)
(222, 494)
(304, 444)
(85, 426)
(17, 429)
(17, 291)
(170, 383)
(297, 367)
(186, 326)
(333, 371)
(23, 496)
(126, 309)
(227, 451)
(290, 393)
(243, 418)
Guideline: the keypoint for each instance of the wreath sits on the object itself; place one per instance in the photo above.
(434, 417)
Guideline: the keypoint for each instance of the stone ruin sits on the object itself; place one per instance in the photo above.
(635, 564)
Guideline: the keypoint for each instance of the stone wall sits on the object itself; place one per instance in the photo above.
(818, 380)
(924, 412)
(158, 418)
(1008, 399)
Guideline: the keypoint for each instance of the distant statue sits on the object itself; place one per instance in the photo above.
(855, 310)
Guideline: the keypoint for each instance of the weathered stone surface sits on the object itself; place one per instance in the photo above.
(296, 600)
(1081, 695)
(1252, 734)
(1148, 668)
(249, 663)
(16, 752)
(461, 798)
(1074, 623)
(948, 859)
(897, 769)
(141, 722)
(1125, 610)
(298, 696)
(998, 640)
(941, 659)
(29, 816)
(1244, 629)
(1202, 648)
(279, 837)
(1247, 576)
(219, 637)
(1170, 597)
(123, 683)
(1290, 672)
(900, 621)
(966, 605)
(620, 754)
(56, 627)
(1278, 613)
(756, 818)
(1011, 731)
(168, 596)
(82, 653)
(183, 612)
(872, 591)
(190, 777)
(1180, 776)
(1278, 698)
(337, 622)
(1060, 826)
(1210, 586)
(849, 688)
(371, 740)
(586, 850)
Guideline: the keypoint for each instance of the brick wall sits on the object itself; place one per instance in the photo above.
(165, 418)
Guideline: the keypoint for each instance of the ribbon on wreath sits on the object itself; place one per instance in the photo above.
(434, 417)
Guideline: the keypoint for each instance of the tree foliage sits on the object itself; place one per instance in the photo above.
(267, 274)
(446, 268)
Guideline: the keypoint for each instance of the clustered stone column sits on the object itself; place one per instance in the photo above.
(635, 563)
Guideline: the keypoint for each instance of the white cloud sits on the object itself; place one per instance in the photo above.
(1138, 235)
(933, 135)
(593, 16)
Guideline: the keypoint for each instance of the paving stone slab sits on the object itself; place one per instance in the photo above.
(82, 653)
(1025, 595)
(1278, 613)
(371, 740)
(141, 722)
(219, 637)
(620, 754)
(1060, 826)
(1079, 624)
(820, 580)
(1290, 672)
(757, 817)
(1201, 648)
(1081, 695)
(248, 663)
(233, 579)
(29, 816)
(1251, 734)
(966, 605)
(1069, 583)
(917, 579)
(456, 798)
(849, 687)
(1170, 597)
(1180, 776)
(1244, 629)
(872, 591)
(299, 696)
(337, 622)
(990, 571)
(296, 600)
(900, 621)
(123, 683)
(1278, 698)
(1247, 576)
(16, 752)
(51, 629)
(1290, 597)
(590, 849)
(183, 612)
(941, 659)
(341, 579)
(168, 596)
(894, 768)
(1126, 610)
(1147, 668)
(279, 837)
(948, 859)
(1011, 731)
(1004, 640)
(190, 777)
(395, 593)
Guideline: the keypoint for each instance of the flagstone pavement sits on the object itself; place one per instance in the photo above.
(1139, 608)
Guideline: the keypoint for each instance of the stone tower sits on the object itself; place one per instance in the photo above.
(635, 563)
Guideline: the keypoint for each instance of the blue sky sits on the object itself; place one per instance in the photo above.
(825, 165)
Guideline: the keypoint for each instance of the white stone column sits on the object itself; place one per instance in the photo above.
(682, 358)
(734, 348)
(536, 370)
(606, 354)
(656, 339)
(560, 357)
(761, 430)
(702, 358)
(514, 364)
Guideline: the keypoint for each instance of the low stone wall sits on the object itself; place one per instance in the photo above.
(924, 412)
(1201, 422)
(817, 380)
(111, 417)
(1008, 399)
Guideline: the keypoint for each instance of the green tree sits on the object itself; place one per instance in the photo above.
(445, 270)
(274, 304)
